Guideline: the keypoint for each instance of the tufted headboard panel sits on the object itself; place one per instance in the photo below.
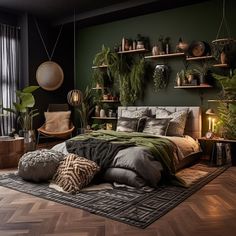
(193, 124)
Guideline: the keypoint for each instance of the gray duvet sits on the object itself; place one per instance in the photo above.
(137, 167)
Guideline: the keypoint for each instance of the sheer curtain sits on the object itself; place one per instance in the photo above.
(9, 74)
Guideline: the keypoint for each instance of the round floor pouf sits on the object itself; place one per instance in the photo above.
(39, 165)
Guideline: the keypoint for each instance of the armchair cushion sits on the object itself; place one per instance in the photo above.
(57, 121)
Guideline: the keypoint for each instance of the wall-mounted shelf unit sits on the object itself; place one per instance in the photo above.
(141, 50)
(193, 86)
(110, 101)
(104, 118)
(198, 58)
(99, 88)
(223, 100)
(165, 55)
(99, 67)
(221, 65)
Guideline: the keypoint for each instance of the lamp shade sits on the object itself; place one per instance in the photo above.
(74, 97)
(210, 112)
(49, 75)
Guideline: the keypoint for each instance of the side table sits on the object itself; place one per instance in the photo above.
(215, 144)
(11, 149)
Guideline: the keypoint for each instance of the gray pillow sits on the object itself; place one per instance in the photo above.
(40, 165)
(177, 123)
(135, 114)
(130, 124)
(156, 126)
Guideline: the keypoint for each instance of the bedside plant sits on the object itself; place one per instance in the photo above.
(227, 105)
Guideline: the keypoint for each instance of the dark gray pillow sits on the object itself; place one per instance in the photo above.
(156, 126)
(177, 122)
(40, 165)
(130, 124)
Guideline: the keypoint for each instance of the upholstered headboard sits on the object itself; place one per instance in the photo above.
(194, 121)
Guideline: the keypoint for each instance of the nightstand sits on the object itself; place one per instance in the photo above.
(220, 151)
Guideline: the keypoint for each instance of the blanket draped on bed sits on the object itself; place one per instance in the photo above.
(161, 148)
(100, 151)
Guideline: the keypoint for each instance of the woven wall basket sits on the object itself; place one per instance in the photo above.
(49, 75)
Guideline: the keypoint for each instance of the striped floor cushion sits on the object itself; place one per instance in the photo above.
(74, 173)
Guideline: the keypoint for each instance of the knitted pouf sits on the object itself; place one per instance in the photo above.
(40, 165)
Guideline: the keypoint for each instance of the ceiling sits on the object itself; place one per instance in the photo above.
(62, 11)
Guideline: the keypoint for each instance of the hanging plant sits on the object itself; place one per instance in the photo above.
(160, 77)
(125, 71)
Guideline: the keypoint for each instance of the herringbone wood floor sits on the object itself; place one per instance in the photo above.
(210, 211)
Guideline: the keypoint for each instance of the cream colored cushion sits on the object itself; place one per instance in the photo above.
(57, 121)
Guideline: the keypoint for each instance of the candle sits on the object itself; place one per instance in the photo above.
(213, 125)
(209, 119)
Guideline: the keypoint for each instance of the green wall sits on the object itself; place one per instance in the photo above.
(195, 22)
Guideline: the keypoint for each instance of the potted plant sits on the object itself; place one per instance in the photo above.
(86, 108)
(227, 105)
(25, 114)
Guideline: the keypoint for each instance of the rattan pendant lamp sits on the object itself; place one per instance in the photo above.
(74, 97)
(49, 74)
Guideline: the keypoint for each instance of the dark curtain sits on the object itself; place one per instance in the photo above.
(9, 74)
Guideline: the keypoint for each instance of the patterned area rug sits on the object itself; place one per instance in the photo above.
(130, 206)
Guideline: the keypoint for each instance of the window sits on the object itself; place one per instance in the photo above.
(9, 74)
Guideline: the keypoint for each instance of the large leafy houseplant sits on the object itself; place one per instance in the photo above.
(227, 105)
(23, 107)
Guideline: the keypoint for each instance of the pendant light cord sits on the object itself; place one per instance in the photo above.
(74, 53)
(44, 45)
(223, 20)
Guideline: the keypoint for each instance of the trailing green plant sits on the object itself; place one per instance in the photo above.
(227, 106)
(23, 107)
(125, 71)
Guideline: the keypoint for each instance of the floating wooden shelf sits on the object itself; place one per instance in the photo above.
(104, 118)
(193, 86)
(102, 66)
(221, 65)
(165, 55)
(98, 88)
(111, 101)
(198, 58)
(222, 100)
(133, 51)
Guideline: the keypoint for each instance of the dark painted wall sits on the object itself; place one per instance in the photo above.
(196, 22)
(33, 54)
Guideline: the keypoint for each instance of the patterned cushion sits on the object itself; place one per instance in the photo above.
(156, 126)
(130, 124)
(177, 122)
(39, 165)
(135, 114)
(74, 173)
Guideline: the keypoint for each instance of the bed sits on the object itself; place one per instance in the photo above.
(140, 165)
